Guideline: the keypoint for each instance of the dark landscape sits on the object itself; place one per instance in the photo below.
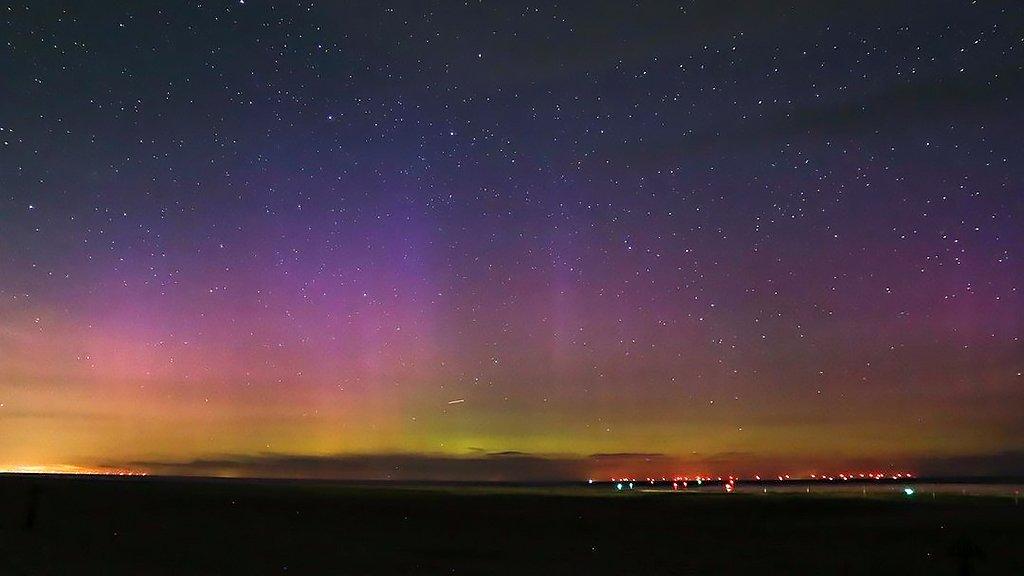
(88, 525)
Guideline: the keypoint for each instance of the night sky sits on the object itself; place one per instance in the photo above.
(499, 240)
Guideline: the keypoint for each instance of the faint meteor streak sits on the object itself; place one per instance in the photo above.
(459, 401)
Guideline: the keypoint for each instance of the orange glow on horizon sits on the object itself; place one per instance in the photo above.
(70, 469)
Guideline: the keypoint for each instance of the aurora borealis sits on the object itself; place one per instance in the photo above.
(501, 240)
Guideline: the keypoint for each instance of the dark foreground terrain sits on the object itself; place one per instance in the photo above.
(51, 525)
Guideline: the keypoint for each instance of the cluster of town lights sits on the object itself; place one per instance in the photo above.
(728, 483)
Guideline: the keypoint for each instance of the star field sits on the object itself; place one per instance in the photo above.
(717, 233)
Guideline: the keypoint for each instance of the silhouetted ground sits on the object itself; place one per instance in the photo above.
(51, 525)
